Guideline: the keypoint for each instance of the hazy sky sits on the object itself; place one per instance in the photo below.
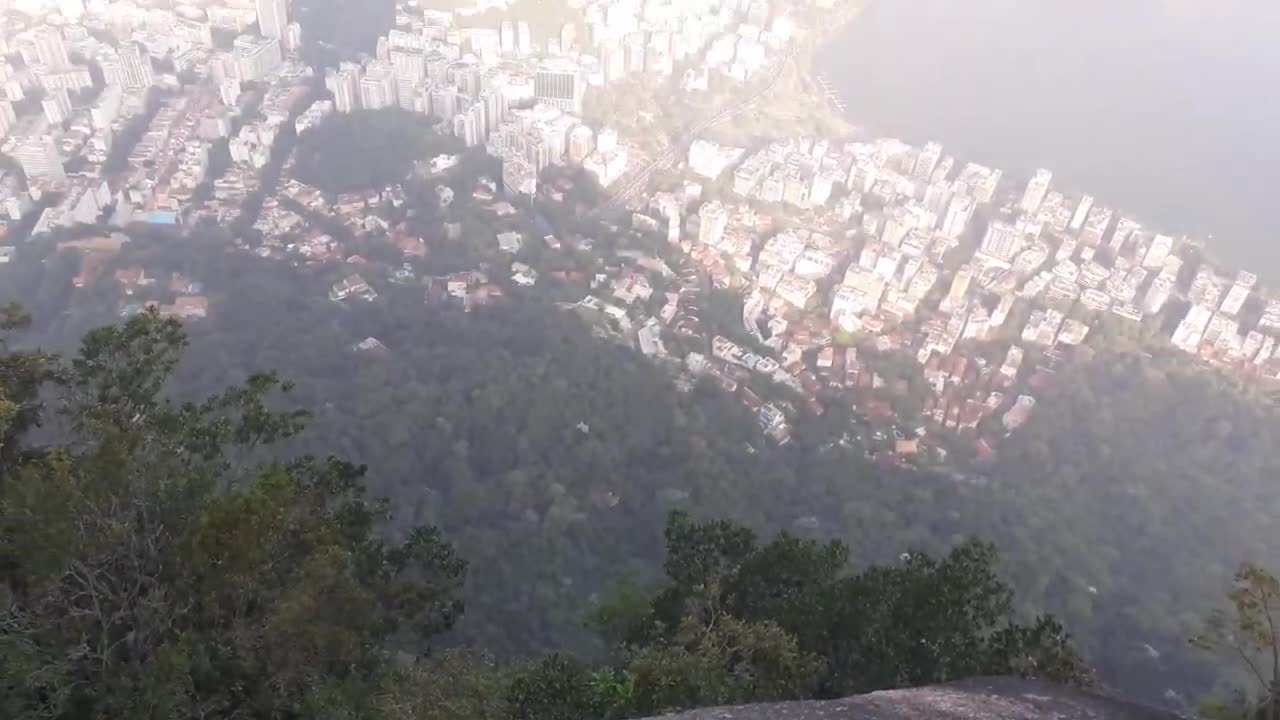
(1168, 108)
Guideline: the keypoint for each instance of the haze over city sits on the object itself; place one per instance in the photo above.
(1149, 104)
(602, 359)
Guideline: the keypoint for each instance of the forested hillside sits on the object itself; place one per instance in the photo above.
(162, 559)
(553, 458)
(552, 455)
(1132, 499)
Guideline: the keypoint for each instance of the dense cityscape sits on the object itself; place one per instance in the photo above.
(842, 254)
(570, 359)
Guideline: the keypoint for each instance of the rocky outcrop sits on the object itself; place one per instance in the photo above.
(995, 698)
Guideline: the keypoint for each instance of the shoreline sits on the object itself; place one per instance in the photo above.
(814, 74)
(814, 85)
(1206, 244)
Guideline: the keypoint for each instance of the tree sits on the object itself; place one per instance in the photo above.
(150, 570)
(556, 688)
(701, 559)
(1245, 635)
(369, 149)
(779, 580)
(728, 663)
(22, 374)
(741, 622)
(454, 685)
(917, 622)
(469, 423)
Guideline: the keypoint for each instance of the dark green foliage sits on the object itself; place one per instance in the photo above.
(1112, 507)
(1245, 636)
(453, 685)
(150, 571)
(780, 579)
(790, 616)
(730, 662)
(927, 620)
(152, 568)
(22, 374)
(370, 149)
(556, 688)
(701, 558)
(1127, 502)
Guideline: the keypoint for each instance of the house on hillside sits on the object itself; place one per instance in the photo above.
(352, 286)
(188, 307)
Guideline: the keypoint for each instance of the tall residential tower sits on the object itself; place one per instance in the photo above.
(273, 18)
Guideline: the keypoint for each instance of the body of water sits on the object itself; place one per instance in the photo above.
(1166, 109)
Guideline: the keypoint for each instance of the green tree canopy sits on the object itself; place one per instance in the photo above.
(1246, 636)
(794, 613)
(152, 564)
(370, 149)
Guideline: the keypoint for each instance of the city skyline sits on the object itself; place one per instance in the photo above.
(524, 105)
(676, 210)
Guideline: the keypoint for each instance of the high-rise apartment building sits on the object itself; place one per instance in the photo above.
(1158, 251)
(39, 158)
(559, 83)
(984, 190)
(273, 18)
(1035, 192)
(229, 92)
(524, 38)
(135, 67)
(959, 213)
(292, 40)
(507, 31)
(568, 37)
(613, 60)
(469, 126)
(49, 48)
(1238, 293)
(256, 57)
(927, 161)
(56, 106)
(411, 72)
(582, 142)
(444, 102)
(8, 117)
(436, 22)
(191, 31)
(486, 43)
(378, 88)
(713, 221)
(937, 196)
(107, 107)
(344, 83)
(1002, 241)
(959, 289)
(1081, 213)
(491, 103)
(467, 77)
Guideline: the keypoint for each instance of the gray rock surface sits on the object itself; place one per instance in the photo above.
(992, 698)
